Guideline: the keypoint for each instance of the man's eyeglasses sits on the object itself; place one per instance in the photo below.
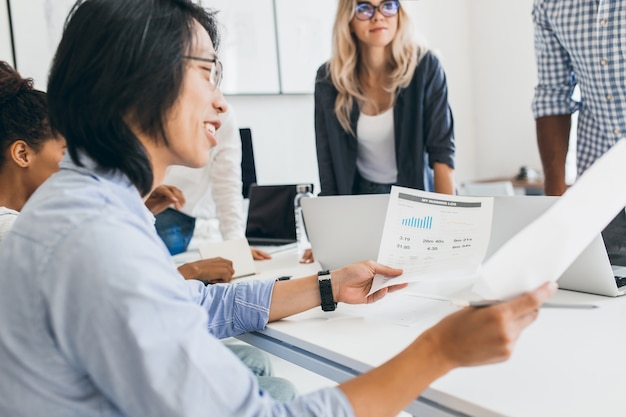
(366, 10)
(215, 77)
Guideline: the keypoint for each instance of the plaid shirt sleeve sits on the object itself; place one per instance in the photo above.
(556, 80)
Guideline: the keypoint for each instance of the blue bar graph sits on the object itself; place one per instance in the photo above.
(425, 222)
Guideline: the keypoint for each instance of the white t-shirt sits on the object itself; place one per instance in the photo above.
(376, 152)
(7, 217)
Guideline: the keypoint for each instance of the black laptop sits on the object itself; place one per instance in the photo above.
(271, 219)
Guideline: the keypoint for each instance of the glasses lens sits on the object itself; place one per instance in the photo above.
(389, 8)
(216, 73)
(364, 11)
(219, 72)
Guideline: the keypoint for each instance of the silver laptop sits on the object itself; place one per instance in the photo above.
(345, 229)
(591, 272)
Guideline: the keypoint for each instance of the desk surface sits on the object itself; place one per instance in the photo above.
(568, 363)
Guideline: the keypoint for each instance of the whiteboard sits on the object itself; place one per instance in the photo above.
(6, 52)
(304, 41)
(248, 46)
(267, 46)
(37, 30)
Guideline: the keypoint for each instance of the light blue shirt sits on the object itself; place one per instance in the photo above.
(97, 321)
(583, 42)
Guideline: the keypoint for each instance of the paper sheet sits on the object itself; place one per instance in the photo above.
(433, 236)
(404, 309)
(236, 250)
(545, 249)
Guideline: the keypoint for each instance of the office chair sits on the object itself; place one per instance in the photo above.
(248, 168)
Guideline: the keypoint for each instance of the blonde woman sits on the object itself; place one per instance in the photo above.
(381, 106)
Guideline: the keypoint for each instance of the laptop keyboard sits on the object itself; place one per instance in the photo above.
(620, 281)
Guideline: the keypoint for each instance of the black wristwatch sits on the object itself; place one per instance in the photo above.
(326, 291)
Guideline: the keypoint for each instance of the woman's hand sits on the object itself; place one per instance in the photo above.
(259, 255)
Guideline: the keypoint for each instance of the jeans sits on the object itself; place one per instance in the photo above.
(363, 186)
(175, 229)
(259, 363)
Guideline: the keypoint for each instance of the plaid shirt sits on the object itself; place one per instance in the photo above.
(583, 42)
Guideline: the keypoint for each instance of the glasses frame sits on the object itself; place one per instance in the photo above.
(217, 69)
(376, 8)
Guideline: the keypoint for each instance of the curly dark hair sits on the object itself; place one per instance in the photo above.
(23, 111)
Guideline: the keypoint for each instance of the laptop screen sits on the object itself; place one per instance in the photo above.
(271, 219)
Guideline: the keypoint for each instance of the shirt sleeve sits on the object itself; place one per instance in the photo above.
(323, 101)
(555, 74)
(438, 120)
(226, 180)
(138, 333)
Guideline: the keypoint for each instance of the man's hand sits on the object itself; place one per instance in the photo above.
(352, 283)
(164, 196)
(214, 270)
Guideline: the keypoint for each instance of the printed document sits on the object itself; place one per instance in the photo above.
(433, 236)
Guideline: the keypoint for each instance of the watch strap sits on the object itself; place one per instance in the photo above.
(326, 291)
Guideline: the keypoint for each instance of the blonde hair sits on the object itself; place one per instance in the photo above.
(343, 66)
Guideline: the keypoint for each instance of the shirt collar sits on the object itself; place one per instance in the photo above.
(113, 179)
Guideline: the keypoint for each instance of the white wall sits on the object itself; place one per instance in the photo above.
(504, 77)
(446, 28)
(282, 135)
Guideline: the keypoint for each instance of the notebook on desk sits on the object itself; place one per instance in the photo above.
(345, 229)
(591, 272)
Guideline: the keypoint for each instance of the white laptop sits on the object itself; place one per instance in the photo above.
(591, 272)
(345, 229)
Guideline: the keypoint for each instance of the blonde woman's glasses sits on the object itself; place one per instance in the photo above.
(366, 10)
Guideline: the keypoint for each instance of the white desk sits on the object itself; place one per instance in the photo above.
(568, 363)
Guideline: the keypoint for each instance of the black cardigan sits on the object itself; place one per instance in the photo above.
(424, 130)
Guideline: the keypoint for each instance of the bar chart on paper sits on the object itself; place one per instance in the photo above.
(435, 235)
(425, 222)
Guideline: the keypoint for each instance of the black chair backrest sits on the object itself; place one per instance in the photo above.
(248, 169)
